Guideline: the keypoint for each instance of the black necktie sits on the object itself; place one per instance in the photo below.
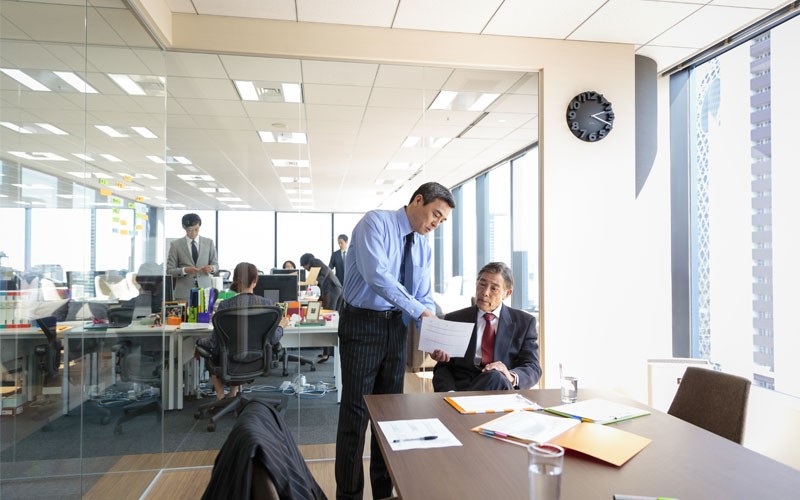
(407, 265)
(194, 252)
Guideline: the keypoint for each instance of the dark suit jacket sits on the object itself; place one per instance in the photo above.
(337, 264)
(516, 345)
(179, 257)
(330, 289)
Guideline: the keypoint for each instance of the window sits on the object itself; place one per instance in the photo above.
(246, 237)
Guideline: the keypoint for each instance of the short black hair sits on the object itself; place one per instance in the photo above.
(190, 220)
(432, 191)
(306, 259)
(502, 269)
(342, 237)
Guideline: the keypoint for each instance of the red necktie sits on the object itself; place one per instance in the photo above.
(487, 342)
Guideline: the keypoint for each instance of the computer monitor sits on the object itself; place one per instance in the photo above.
(277, 270)
(159, 287)
(284, 284)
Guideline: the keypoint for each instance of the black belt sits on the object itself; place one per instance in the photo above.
(360, 311)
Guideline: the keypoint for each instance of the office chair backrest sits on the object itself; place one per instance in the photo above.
(712, 400)
(243, 335)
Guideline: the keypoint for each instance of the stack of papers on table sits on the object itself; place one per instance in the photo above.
(605, 443)
(598, 411)
(495, 403)
(195, 326)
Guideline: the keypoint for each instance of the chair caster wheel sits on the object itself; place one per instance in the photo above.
(313, 368)
(105, 420)
(211, 427)
(198, 415)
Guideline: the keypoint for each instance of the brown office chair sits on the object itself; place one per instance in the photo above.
(712, 400)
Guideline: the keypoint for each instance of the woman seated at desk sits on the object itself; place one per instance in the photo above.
(244, 280)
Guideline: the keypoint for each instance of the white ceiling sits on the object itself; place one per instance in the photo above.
(356, 115)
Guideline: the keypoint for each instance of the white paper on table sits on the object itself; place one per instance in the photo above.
(411, 434)
(451, 337)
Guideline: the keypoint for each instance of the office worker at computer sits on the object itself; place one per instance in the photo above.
(245, 276)
(387, 285)
(503, 352)
(191, 260)
(288, 265)
(330, 291)
(337, 257)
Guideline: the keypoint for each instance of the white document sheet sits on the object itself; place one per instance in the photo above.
(451, 337)
(418, 433)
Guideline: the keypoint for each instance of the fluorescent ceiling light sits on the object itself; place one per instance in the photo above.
(292, 92)
(155, 159)
(443, 100)
(247, 90)
(483, 102)
(102, 175)
(38, 156)
(25, 79)
(83, 156)
(428, 142)
(131, 187)
(16, 128)
(403, 166)
(110, 131)
(196, 177)
(145, 132)
(81, 175)
(410, 142)
(179, 159)
(290, 163)
(298, 191)
(76, 82)
(22, 202)
(174, 205)
(43, 187)
(238, 206)
(283, 137)
(299, 180)
(110, 157)
(51, 128)
(438, 142)
(127, 84)
(229, 198)
(223, 190)
(208, 190)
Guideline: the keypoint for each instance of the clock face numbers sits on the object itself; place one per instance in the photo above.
(590, 116)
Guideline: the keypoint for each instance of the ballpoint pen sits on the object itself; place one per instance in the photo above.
(423, 438)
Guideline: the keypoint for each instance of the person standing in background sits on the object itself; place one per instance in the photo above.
(191, 260)
(387, 285)
(330, 291)
(338, 258)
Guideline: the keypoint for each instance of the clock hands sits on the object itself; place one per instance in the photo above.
(600, 119)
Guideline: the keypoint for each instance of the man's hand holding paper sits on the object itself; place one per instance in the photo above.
(444, 338)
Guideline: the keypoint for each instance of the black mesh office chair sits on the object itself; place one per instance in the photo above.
(142, 369)
(244, 337)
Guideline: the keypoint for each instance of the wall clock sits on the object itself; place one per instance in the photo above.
(590, 116)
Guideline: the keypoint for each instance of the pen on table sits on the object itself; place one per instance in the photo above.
(423, 438)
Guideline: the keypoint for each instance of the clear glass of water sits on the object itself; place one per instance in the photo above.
(569, 389)
(545, 463)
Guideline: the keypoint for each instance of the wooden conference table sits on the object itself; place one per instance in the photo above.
(682, 461)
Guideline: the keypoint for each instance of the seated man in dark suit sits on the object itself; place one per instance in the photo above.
(503, 352)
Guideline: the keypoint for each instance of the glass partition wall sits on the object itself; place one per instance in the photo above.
(107, 140)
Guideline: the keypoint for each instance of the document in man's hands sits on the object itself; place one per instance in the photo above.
(451, 337)
(598, 411)
(492, 403)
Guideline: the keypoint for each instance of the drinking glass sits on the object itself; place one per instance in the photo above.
(545, 463)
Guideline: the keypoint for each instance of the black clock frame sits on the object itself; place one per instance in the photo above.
(590, 116)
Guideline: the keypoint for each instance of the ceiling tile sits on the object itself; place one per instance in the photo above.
(201, 88)
(706, 26)
(472, 80)
(664, 56)
(462, 16)
(185, 6)
(339, 73)
(342, 114)
(541, 19)
(401, 98)
(411, 77)
(335, 94)
(262, 69)
(265, 9)
(354, 12)
(192, 65)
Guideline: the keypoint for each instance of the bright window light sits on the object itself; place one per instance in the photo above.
(83, 156)
(25, 79)
(443, 100)
(76, 82)
(483, 102)
(15, 128)
(145, 132)
(110, 131)
(51, 128)
(247, 90)
(292, 92)
(127, 84)
(110, 157)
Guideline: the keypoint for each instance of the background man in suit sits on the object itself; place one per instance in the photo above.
(338, 257)
(503, 351)
(191, 260)
(387, 285)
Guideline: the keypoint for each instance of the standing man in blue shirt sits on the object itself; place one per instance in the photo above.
(387, 284)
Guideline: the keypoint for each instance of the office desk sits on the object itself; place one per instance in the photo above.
(682, 461)
(293, 337)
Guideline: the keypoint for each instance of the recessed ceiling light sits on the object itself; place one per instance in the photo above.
(292, 92)
(483, 102)
(127, 84)
(38, 156)
(410, 142)
(51, 128)
(25, 79)
(76, 82)
(196, 177)
(247, 90)
(155, 159)
(229, 198)
(283, 137)
(443, 100)
(110, 131)
(145, 132)
(110, 157)
(208, 190)
(223, 190)
(102, 175)
(16, 128)
(290, 163)
(81, 175)
(428, 142)
(299, 180)
(179, 159)
(83, 156)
